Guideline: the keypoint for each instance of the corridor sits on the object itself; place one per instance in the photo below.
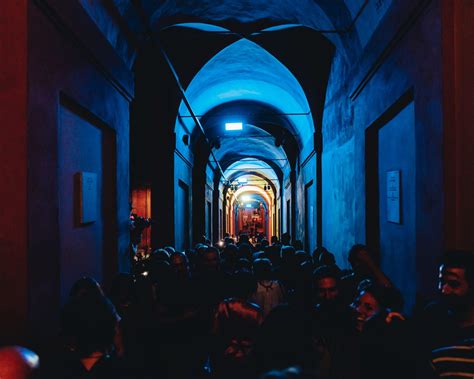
(145, 131)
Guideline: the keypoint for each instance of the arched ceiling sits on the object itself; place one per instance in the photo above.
(251, 165)
(267, 196)
(255, 171)
(250, 16)
(254, 148)
(349, 23)
(122, 21)
(244, 71)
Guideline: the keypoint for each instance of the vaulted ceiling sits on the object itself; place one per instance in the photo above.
(123, 21)
(265, 63)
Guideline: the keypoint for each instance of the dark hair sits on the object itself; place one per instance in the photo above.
(318, 251)
(355, 250)
(302, 256)
(86, 286)
(179, 254)
(211, 249)
(262, 268)
(377, 291)
(122, 289)
(387, 297)
(460, 259)
(90, 323)
(244, 238)
(170, 249)
(159, 271)
(326, 271)
(243, 284)
(160, 255)
(243, 263)
(245, 251)
(287, 251)
(273, 253)
(285, 238)
(298, 245)
(230, 252)
(327, 258)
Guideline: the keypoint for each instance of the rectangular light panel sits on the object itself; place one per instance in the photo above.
(233, 126)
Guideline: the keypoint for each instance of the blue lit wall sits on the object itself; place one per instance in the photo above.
(368, 96)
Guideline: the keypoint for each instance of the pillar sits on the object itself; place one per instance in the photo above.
(458, 81)
(13, 166)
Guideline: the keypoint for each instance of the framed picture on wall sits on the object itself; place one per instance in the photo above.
(393, 197)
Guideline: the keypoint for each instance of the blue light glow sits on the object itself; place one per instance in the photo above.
(233, 126)
(248, 205)
(244, 71)
(200, 26)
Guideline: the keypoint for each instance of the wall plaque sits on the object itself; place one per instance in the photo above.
(87, 197)
(393, 197)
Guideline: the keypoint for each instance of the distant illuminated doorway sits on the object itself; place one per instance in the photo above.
(251, 217)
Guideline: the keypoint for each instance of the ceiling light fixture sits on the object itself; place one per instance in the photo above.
(232, 126)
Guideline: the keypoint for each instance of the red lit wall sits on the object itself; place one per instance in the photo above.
(458, 84)
(13, 168)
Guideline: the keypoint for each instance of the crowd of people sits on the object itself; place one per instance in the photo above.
(269, 310)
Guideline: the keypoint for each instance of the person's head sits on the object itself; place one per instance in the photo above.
(243, 264)
(327, 259)
(245, 251)
(230, 253)
(244, 238)
(243, 284)
(288, 255)
(18, 363)
(286, 239)
(180, 264)
(122, 290)
(273, 253)
(368, 303)
(262, 269)
(160, 255)
(90, 324)
(170, 249)
(209, 259)
(298, 245)
(317, 252)
(301, 256)
(359, 257)
(274, 240)
(456, 279)
(228, 241)
(86, 287)
(326, 284)
(159, 273)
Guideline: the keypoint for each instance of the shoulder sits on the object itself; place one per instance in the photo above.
(457, 358)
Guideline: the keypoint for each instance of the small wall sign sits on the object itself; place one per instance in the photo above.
(393, 197)
(87, 197)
